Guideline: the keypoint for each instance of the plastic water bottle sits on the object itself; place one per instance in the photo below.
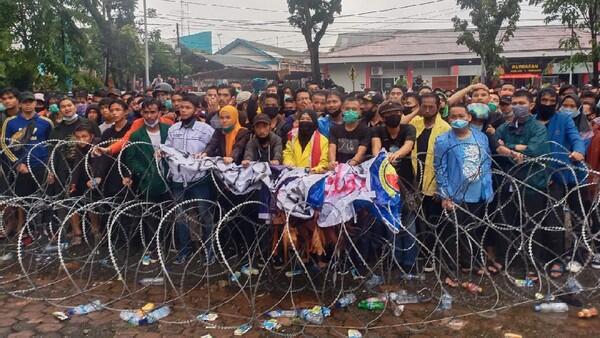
(374, 281)
(551, 307)
(346, 300)
(312, 316)
(56, 248)
(152, 281)
(371, 304)
(573, 285)
(446, 301)
(155, 316)
(85, 308)
(407, 298)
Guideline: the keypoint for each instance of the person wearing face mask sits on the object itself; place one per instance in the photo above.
(369, 107)
(333, 117)
(264, 145)
(571, 105)
(144, 175)
(349, 143)
(462, 162)
(399, 139)
(527, 137)
(505, 108)
(307, 148)
(270, 107)
(411, 103)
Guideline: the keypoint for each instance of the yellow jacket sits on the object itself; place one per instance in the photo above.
(293, 155)
(440, 127)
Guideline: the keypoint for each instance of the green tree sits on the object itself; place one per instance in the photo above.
(162, 58)
(488, 36)
(581, 16)
(313, 17)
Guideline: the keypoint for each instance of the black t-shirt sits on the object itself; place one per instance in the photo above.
(347, 142)
(407, 133)
(422, 147)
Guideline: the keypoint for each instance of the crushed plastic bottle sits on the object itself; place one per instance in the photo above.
(282, 313)
(524, 283)
(313, 316)
(398, 310)
(446, 301)
(140, 318)
(56, 248)
(346, 300)
(374, 281)
(371, 304)
(354, 334)
(240, 331)
(551, 307)
(587, 313)
(85, 308)
(403, 297)
(271, 324)
(235, 277)
(248, 270)
(573, 285)
(152, 281)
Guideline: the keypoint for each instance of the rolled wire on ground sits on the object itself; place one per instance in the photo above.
(114, 260)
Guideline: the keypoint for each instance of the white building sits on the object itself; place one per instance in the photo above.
(378, 59)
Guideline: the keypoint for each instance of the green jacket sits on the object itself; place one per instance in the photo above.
(535, 137)
(140, 159)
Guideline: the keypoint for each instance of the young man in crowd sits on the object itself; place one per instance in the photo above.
(263, 145)
(191, 136)
(464, 182)
(369, 106)
(20, 142)
(10, 99)
(107, 118)
(399, 139)
(319, 102)
(145, 175)
(428, 126)
(348, 143)
(396, 94)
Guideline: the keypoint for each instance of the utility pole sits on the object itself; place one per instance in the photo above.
(178, 53)
(147, 58)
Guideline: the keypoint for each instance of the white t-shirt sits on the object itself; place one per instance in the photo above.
(154, 138)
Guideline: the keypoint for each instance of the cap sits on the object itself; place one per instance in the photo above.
(39, 96)
(506, 99)
(26, 96)
(242, 97)
(262, 118)
(163, 87)
(115, 92)
(374, 98)
(390, 107)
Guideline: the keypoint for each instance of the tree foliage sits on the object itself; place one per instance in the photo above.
(313, 17)
(582, 17)
(494, 23)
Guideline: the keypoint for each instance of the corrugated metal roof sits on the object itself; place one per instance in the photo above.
(275, 52)
(420, 45)
(230, 61)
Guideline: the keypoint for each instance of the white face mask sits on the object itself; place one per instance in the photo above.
(151, 124)
(70, 118)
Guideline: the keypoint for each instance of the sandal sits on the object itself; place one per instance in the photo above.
(472, 287)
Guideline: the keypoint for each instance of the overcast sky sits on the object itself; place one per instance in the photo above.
(265, 21)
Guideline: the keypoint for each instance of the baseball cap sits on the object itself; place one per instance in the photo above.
(374, 98)
(39, 97)
(26, 96)
(115, 92)
(390, 107)
(262, 118)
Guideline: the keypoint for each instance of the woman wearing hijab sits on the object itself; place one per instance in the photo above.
(229, 141)
(571, 105)
(307, 148)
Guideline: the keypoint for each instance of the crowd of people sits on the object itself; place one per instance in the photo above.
(529, 153)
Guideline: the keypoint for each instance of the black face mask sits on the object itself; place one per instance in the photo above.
(272, 112)
(289, 112)
(392, 121)
(368, 115)
(407, 110)
(336, 113)
(546, 111)
(39, 109)
(306, 128)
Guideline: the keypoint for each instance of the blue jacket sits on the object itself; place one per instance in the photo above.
(14, 146)
(324, 125)
(564, 138)
(449, 164)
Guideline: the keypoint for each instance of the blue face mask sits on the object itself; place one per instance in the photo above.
(573, 113)
(350, 116)
(459, 124)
